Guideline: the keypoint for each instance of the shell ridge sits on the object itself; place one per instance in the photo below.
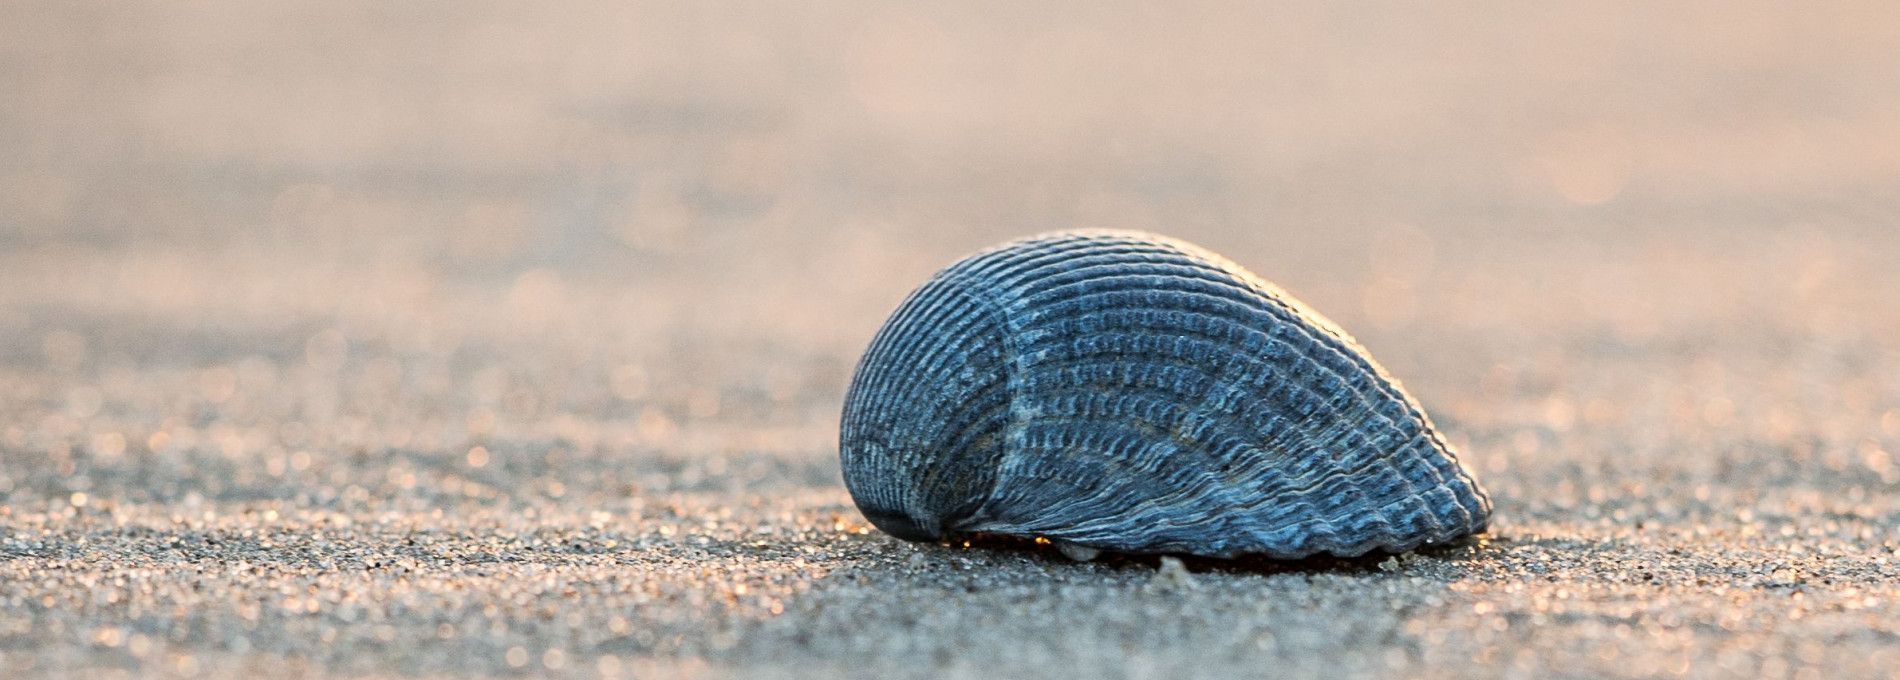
(1377, 532)
(893, 338)
(1137, 515)
(1394, 424)
(1116, 485)
(1115, 262)
(1235, 421)
(904, 396)
(1010, 437)
(1174, 272)
(1480, 513)
(1297, 492)
(1287, 315)
(1346, 360)
(881, 387)
(1051, 259)
(1151, 437)
(1395, 464)
(1213, 340)
(955, 517)
(1139, 393)
(1348, 349)
(1005, 275)
(1149, 425)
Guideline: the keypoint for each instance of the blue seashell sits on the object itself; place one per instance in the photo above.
(1133, 393)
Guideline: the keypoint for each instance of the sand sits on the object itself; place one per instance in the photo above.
(346, 342)
(201, 491)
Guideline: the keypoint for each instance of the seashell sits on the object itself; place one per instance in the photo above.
(1126, 392)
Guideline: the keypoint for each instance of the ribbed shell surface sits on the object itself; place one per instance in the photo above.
(1134, 393)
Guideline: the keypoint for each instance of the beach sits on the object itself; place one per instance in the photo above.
(469, 340)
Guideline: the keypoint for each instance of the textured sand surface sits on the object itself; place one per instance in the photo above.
(445, 340)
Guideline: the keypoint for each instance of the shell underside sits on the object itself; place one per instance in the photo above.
(1134, 393)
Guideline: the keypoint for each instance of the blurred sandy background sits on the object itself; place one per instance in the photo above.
(311, 256)
(658, 169)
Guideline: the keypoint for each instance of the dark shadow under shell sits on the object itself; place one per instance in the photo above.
(1133, 393)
